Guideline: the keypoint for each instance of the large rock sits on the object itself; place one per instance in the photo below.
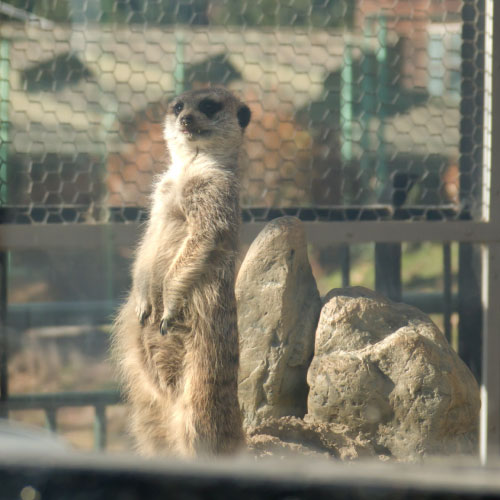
(387, 372)
(278, 310)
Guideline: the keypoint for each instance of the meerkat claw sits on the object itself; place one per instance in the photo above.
(163, 327)
(142, 318)
(165, 324)
(143, 313)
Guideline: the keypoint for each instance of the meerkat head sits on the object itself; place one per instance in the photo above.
(209, 120)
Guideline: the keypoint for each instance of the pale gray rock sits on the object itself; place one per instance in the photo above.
(278, 310)
(387, 372)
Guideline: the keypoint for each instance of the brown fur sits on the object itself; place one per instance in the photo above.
(182, 386)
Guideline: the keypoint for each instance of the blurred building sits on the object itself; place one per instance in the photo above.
(86, 104)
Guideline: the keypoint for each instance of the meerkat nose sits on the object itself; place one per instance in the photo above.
(187, 120)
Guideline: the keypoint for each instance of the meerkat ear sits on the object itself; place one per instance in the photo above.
(244, 115)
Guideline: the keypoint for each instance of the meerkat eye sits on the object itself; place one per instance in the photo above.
(178, 108)
(209, 107)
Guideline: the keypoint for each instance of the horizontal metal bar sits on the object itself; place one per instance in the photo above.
(82, 236)
(88, 313)
(37, 314)
(61, 399)
(30, 236)
(388, 232)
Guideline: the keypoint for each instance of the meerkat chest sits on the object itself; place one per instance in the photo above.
(166, 202)
(177, 189)
(174, 211)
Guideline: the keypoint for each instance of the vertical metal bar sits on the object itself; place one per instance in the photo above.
(4, 369)
(367, 100)
(179, 63)
(346, 100)
(469, 307)
(471, 105)
(388, 270)
(490, 383)
(4, 117)
(345, 264)
(100, 428)
(447, 290)
(51, 419)
(382, 89)
(4, 138)
(471, 133)
(107, 239)
(490, 386)
(4, 256)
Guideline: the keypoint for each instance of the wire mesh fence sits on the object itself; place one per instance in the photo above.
(356, 104)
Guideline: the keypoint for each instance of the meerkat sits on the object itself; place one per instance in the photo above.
(176, 336)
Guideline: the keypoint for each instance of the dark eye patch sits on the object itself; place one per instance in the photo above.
(244, 114)
(209, 107)
(178, 107)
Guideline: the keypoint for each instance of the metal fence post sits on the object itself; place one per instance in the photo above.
(180, 84)
(388, 270)
(100, 427)
(4, 373)
(51, 419)
(471, 156)
(382, 169)
(346, 98)
(447, 292)
(469, 307)
(345, 264)
(4, 257)
(4, 117)
(490, 384)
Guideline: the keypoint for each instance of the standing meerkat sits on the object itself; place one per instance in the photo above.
(176, 336)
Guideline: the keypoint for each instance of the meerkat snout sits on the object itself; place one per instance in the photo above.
(189, 127)
(187, 121)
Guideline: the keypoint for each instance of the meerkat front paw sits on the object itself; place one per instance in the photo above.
(166, 322)
(143, 310)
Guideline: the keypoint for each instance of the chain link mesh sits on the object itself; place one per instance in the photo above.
(361, 109)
